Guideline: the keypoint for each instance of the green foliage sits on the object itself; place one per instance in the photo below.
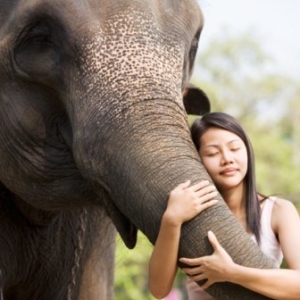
(237, 76)
(131, 270)
(272, 151)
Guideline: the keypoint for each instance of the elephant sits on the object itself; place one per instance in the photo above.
(93, 136)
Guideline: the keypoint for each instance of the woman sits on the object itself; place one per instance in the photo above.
(273, 223)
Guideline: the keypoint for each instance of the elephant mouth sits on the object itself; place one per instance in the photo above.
(127, 230)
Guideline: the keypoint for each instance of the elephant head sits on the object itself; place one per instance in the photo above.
(93, 124)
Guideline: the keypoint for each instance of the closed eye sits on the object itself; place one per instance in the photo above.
(212, 154)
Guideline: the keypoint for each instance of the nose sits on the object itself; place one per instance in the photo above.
(226, 157)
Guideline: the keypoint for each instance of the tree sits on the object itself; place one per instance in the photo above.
(239, 73)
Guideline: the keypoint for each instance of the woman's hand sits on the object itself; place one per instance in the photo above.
(213, 268)
(186, 201)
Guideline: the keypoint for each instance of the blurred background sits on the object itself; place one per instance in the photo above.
(248, 63)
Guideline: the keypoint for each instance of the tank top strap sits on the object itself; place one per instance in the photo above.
(269, 244)
(266, 214)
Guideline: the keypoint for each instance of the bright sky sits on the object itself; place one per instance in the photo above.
(275, 22)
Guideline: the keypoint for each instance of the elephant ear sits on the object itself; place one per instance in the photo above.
(195, 101)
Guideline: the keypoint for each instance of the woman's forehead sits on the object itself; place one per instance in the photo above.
(218, 135)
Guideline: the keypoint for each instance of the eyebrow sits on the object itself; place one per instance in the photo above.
(215, 146)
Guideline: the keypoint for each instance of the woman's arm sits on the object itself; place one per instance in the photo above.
(280, 284)
(185, 202)
(275, 283)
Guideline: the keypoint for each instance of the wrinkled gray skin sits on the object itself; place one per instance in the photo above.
(93, 129)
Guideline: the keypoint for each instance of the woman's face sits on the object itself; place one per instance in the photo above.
(225, 158)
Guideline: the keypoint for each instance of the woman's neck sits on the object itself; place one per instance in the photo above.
(235, 199)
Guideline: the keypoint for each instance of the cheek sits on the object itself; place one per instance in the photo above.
(242, 161)
(243, 158)
(210, 166)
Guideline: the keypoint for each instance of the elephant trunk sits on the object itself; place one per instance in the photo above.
(138, 157)
(152, 153)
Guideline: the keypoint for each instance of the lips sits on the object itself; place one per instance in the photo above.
(228, 171)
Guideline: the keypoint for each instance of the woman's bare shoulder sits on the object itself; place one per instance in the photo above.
(283, 204)
(284, 211)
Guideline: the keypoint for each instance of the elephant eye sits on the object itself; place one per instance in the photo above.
(190, 59)
(36, 38)
(40, 35)
(40, 49)
(194, 48)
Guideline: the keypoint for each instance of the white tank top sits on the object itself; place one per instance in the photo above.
(268, 245)
(268, 242)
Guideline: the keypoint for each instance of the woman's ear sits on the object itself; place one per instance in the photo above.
(195, 101)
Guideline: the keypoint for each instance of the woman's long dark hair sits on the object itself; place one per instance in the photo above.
(227, 122)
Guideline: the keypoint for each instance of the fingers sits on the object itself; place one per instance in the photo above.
(191, 261)
(201, 188)
(196, 274)
(207, 197)
(207, 204)
(213, 240)
(204, 190)
(198, 277)
(186, 201)
(200, 185)
(207, 191)
(207, 284)
(182, 186)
